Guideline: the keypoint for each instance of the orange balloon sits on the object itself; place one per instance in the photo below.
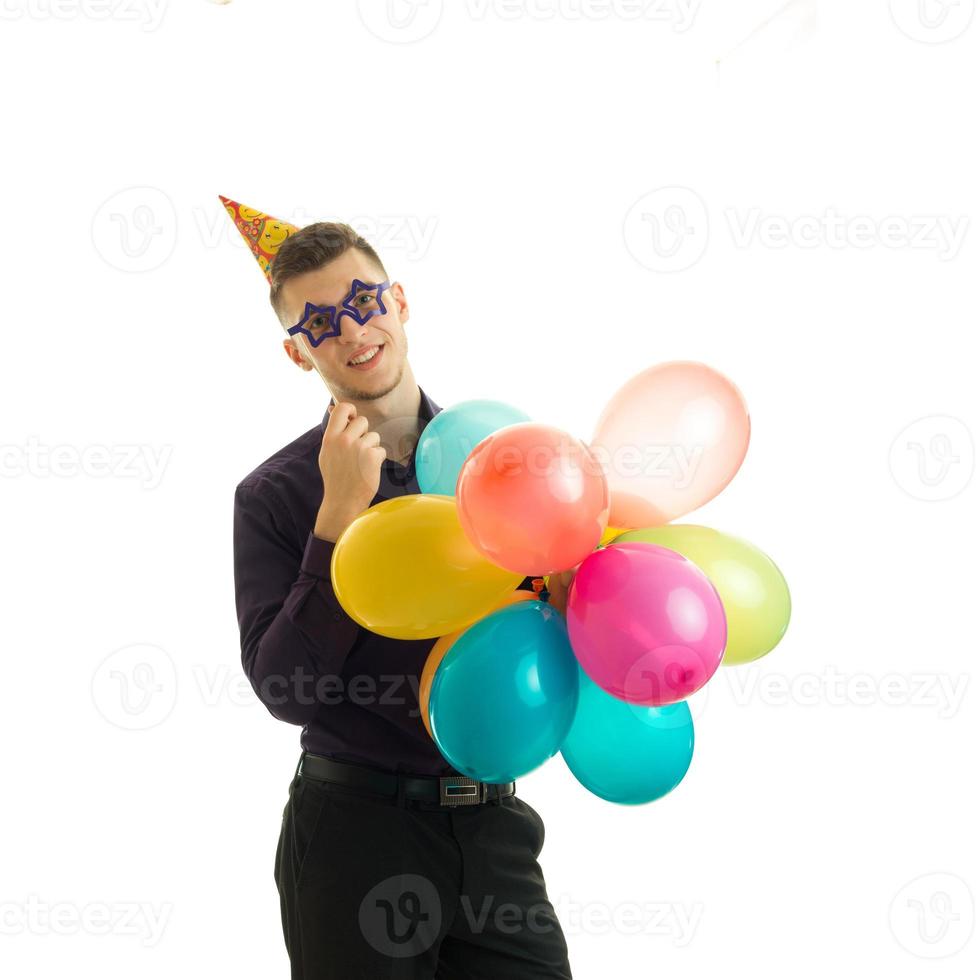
(669, 440)
(532, 498)
(441, 647)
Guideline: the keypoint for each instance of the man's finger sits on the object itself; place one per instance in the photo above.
(339, 420)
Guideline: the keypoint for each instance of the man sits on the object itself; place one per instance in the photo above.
(390, 863)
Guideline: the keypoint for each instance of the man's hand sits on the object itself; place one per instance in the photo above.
(558, 585)
(350, 465)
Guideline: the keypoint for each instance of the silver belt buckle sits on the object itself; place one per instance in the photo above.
(461, 791)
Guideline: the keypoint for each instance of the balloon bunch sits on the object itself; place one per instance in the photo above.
(653, 610)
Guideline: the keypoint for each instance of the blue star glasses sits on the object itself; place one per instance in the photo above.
(362, 302)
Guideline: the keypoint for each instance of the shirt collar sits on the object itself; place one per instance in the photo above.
(428, 410)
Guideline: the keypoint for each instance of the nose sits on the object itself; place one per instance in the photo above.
(351, 331)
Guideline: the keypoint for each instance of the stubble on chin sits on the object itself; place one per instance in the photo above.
(356, 394)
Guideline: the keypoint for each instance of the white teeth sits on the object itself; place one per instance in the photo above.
(366, 356)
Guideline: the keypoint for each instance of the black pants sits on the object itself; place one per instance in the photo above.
(390, 889)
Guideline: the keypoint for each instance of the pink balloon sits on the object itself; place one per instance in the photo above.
(532, 499)
(669, 440)
(645, 623)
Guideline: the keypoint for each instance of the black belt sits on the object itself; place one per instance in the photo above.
(445, 790)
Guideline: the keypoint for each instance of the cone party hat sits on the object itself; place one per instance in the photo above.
(263, 233)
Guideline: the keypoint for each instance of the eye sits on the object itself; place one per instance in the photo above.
(318, 323)
(366, 297)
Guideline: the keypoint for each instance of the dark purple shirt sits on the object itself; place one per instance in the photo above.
(354, 692)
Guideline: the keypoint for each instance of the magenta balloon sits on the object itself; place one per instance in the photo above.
(669, 440)
(645, 623)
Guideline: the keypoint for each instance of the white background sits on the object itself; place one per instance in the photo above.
(508, 159)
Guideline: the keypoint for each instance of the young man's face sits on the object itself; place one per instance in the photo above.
(331, 358)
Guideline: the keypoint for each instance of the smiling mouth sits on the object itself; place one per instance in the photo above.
(367, 357)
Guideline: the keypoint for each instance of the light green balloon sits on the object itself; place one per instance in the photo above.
(752, 589)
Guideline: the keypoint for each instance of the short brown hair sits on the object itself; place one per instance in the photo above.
(311, 248)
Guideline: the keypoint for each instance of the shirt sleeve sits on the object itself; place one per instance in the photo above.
(293, 630)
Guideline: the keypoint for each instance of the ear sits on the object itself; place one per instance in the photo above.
(293, 353)
(400, 301)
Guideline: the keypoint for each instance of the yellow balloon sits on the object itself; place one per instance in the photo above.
(752, 589)
(405, 569)
(610, 533)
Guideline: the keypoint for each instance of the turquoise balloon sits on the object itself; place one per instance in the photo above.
(452, 435)
(504, 696)
(627, 753)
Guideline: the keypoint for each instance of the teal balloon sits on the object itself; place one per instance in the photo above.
(452, 435)
(627, 753)
(503, 697)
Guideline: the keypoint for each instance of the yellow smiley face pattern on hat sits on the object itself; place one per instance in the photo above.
(263, 233)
